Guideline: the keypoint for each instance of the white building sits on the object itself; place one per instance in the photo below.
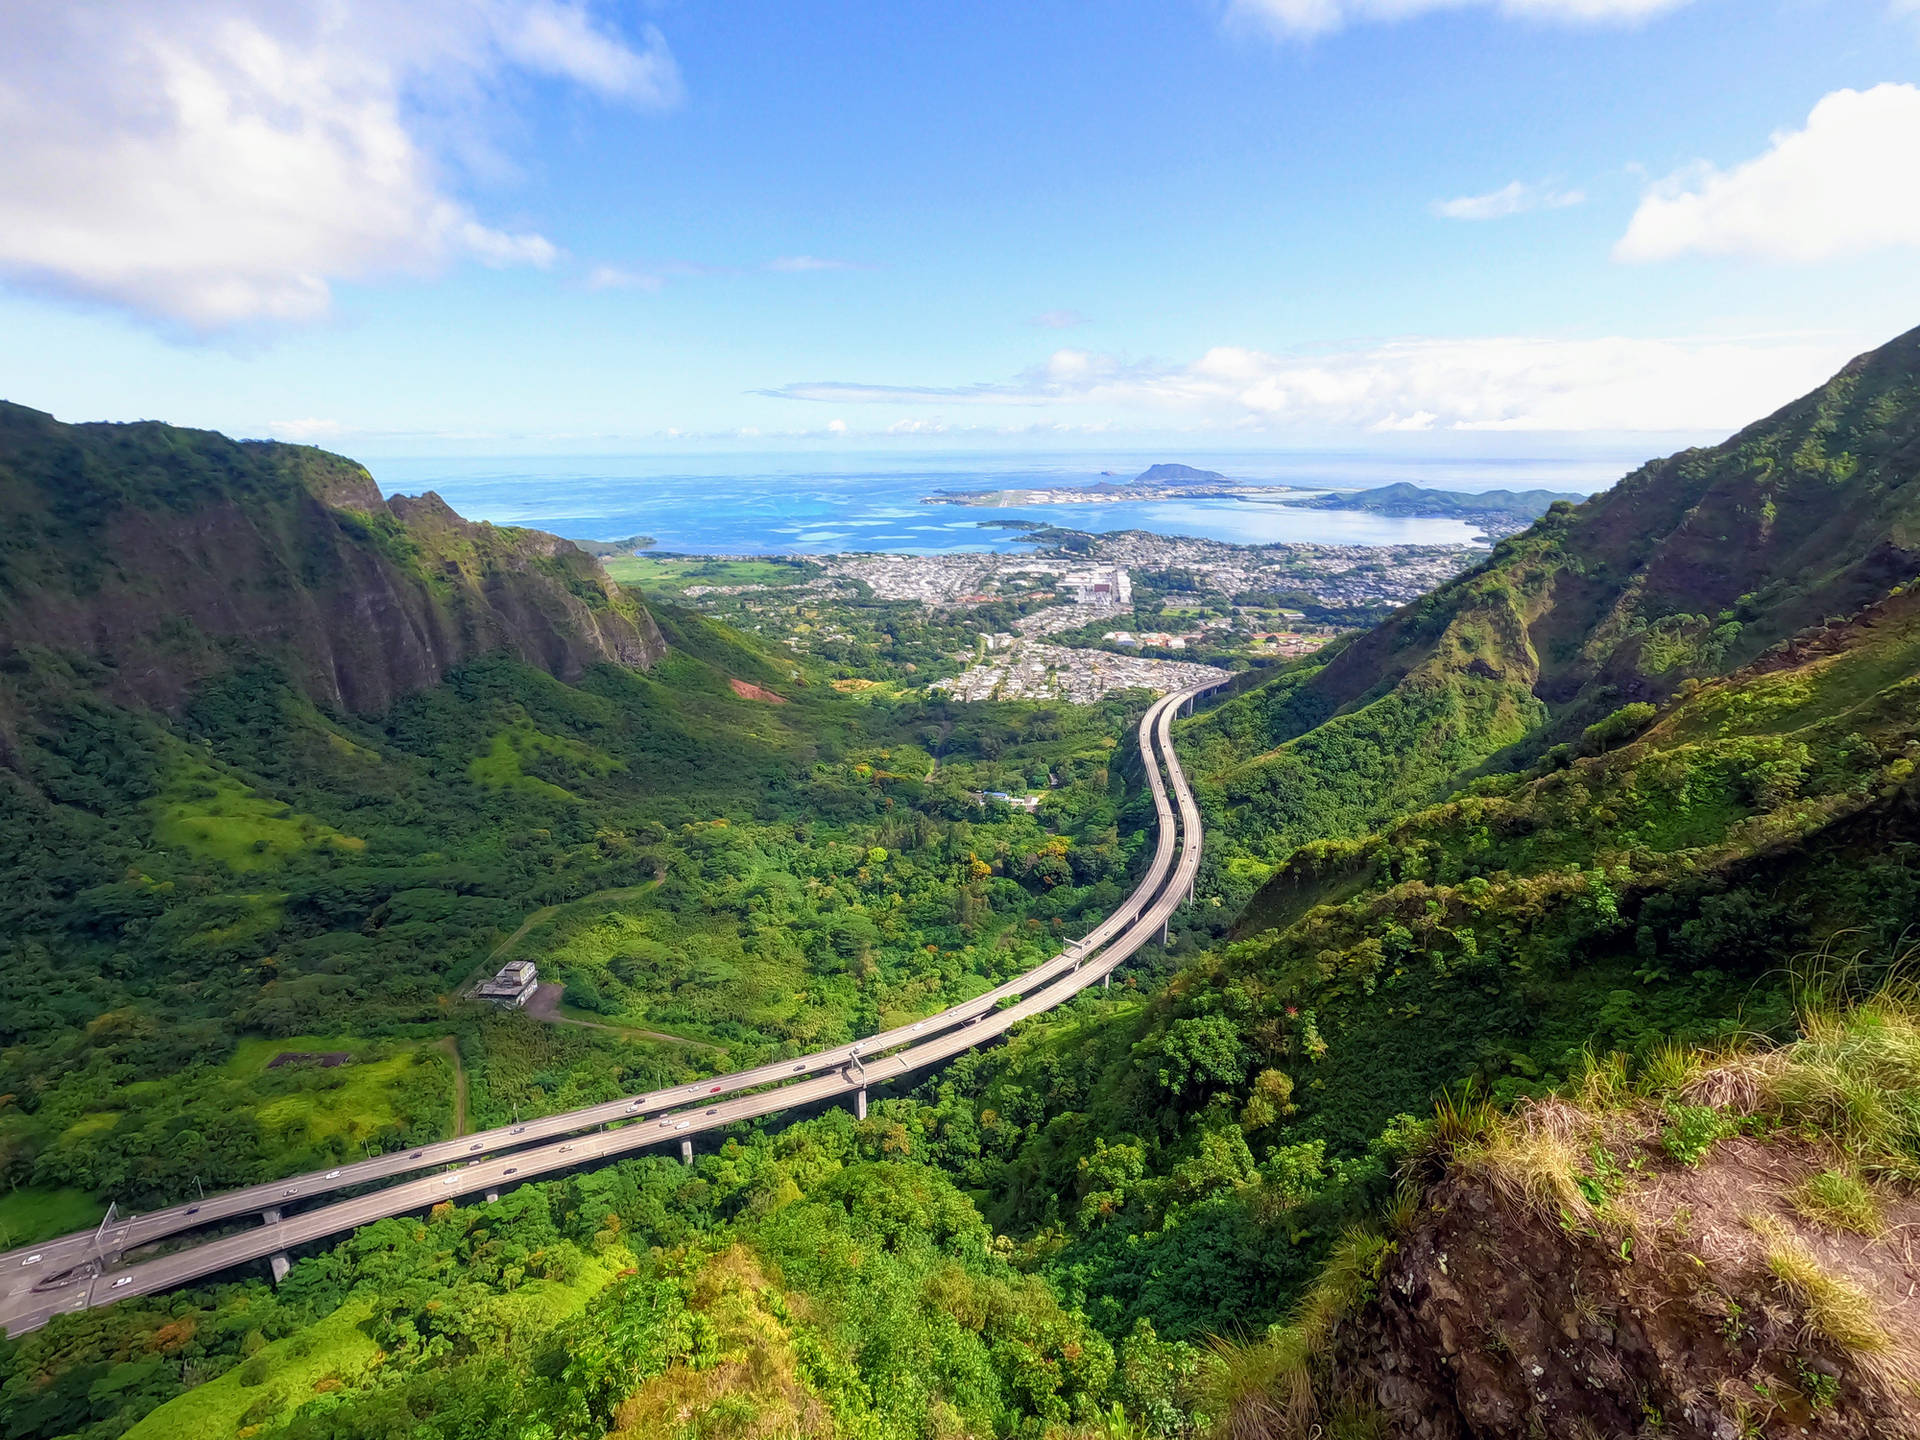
(1106, 587)
(515, 983)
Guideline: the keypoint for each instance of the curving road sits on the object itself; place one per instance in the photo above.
(37, 1282)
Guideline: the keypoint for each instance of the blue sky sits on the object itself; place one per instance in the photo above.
(518, 226)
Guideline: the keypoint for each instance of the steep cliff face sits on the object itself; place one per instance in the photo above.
(164, 554)
(1623, 1275)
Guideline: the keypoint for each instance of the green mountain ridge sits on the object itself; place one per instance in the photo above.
(164, 554)
(1504, 905)
(1687, 568)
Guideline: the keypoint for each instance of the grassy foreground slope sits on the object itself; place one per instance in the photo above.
(1706, 1243)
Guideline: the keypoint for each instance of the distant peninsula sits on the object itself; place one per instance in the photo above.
(1165, 481)
(1495, 512)
(1498, 512)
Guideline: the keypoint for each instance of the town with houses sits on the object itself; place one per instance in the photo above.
(1205, 598)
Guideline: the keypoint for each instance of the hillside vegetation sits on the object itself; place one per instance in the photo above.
(1688, 568)
(163, 555)
(1482, 1093)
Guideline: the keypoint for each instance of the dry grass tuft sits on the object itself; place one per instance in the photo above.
(1262, 1391)
(1534, 1159)
(1855, 1074)
(1265, 1391)
(1738, 1084)
(1835, 1308)
(1839, 1201)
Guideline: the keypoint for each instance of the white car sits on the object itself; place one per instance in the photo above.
(684, 1125)
(123, 1280)
(666, 1122)
(449, 1179)
(333, 1174)
(33, 1259)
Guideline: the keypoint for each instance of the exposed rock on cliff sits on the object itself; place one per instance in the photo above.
(164, 554)
(1717, 1250)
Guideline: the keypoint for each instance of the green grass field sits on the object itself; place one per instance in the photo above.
(297, 1369)
(377, 1089)
(337, 1348)
(669, 575)
(30, 1215)
(212, 814)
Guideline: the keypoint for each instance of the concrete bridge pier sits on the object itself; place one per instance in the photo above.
(1106, 981)
(860, 1103)
(492, 1195)
(278, 1263)
(686, 1151)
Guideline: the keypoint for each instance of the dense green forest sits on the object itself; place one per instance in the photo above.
(1621, 788)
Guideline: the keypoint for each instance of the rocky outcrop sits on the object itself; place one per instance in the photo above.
(164, 555)
(1507, 1316)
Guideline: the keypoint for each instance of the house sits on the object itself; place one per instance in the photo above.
(514, 985)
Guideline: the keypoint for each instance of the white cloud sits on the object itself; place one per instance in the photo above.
(1500, 383)
(1059, 319)
(304, 432)
(803, 264)
(1843, 185)
(565, 40)
(1514, 198)
(1319, 17)
(215, 162)
(614, 277)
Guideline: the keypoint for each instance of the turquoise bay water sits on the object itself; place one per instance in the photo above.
(770, 504)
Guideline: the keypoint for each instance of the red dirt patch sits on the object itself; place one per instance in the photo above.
(748, 691)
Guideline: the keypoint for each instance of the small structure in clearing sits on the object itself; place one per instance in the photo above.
(517, 980)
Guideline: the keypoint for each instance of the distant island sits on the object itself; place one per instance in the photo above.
(607, 549)
(1495, 512)
(1155, 474)
(1164, 481)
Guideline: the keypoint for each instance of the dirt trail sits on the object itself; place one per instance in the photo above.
(452, 1046)
(544, 1004)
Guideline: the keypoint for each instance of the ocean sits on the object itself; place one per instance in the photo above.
(808, 504)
